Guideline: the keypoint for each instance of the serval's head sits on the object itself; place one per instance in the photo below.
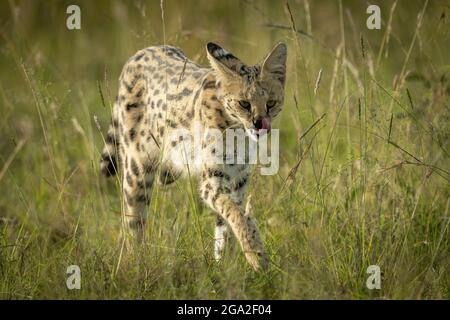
(252, 95)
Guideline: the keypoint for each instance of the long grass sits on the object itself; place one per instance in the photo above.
(364, 165)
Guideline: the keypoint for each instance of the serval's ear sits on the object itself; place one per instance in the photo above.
(275, 63)
(222, 61)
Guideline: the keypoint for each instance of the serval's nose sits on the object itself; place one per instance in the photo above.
(261, 123)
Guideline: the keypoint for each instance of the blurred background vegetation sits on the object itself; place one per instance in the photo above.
(364, 168)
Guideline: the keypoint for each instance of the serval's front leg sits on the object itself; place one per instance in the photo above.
(238, 186)
(217, 191)
(220, 238)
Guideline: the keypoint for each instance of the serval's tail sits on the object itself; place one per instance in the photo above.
(110, 155)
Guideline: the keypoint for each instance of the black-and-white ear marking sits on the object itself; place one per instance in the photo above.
(223, 60)
(218, 52)
(275, 62)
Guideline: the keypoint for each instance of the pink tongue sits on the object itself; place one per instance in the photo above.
(266, 124)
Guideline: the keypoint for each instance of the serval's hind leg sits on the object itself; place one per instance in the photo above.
(138, 177)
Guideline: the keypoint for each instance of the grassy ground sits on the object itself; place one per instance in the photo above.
(368, 184)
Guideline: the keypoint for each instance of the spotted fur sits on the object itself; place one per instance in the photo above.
(160, 90)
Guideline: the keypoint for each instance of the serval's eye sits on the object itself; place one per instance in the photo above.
(245, 104)
(270, 104)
